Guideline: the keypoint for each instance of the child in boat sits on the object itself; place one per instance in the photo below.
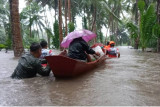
(112, 51)
(45, 52)
(79, 49)
(29, 64)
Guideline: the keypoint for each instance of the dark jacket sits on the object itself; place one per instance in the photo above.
(77, 49)
(28, 67)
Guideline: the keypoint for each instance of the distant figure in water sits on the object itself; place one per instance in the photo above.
(79, 49)
(6, 50)
(112, 51)
(29, 64)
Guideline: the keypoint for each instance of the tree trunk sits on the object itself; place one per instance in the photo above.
(158, 45)
(136, 43)
(69, 10)
(106, 36)
(66, 30)
(89, 21)
(55, 8)
(48, 39)
(38, 32)
(30, 26)
(143, 49)
(94, 19)
(60, 23)
(94, 23)
(136, 12)
(158, 19)
(16, 31)
(47, 24)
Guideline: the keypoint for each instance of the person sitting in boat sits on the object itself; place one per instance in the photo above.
(29, 64)
(79, 49)
(45, 52)
(112, 51)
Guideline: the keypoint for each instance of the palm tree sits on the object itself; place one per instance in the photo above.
(136, 22)
(60, 22)
(147, 22)
(31, 16)
(66, 30)
(135, 16)
(16, 31)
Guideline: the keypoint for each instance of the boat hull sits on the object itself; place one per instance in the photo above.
(63, 66)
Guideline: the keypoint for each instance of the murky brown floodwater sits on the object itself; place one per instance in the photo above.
(133, 79)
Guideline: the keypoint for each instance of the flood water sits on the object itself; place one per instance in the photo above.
(131, 80)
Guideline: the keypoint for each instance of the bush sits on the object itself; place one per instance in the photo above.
(71, 27)
(56, 35)
(2, 46)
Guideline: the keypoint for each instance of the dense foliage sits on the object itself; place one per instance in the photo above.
(127, 22)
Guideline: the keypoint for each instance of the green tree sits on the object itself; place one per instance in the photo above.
(71, 27)
(134, 31)
(147, 21)
(5, 21)
(30, 16)
(56, 35)
(2, 36)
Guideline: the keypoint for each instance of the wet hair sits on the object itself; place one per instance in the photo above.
(112, 45)
(35, 46)
(107, 43)
(43, 43)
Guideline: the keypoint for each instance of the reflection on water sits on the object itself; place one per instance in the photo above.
(133, 79)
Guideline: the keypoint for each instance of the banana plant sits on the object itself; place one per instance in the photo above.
(147, 22)
(134, 33)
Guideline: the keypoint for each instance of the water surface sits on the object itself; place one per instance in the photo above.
(131, 80)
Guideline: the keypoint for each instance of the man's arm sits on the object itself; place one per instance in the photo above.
(87, 48)
(43, 71)
(43, 61)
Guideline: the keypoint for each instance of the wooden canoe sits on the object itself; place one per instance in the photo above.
(63, 66)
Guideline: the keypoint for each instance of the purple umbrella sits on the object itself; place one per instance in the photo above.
(85, 34)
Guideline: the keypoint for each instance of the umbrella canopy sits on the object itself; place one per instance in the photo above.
(85, 34)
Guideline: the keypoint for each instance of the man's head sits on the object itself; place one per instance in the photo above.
(43, 44)
(112, 43)
(107, 43)
(35, 49)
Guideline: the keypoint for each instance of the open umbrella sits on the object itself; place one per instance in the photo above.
(85, 34)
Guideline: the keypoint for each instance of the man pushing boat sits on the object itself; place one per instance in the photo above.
(29, 64)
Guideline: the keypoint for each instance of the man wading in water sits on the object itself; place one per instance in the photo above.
(29, 64)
